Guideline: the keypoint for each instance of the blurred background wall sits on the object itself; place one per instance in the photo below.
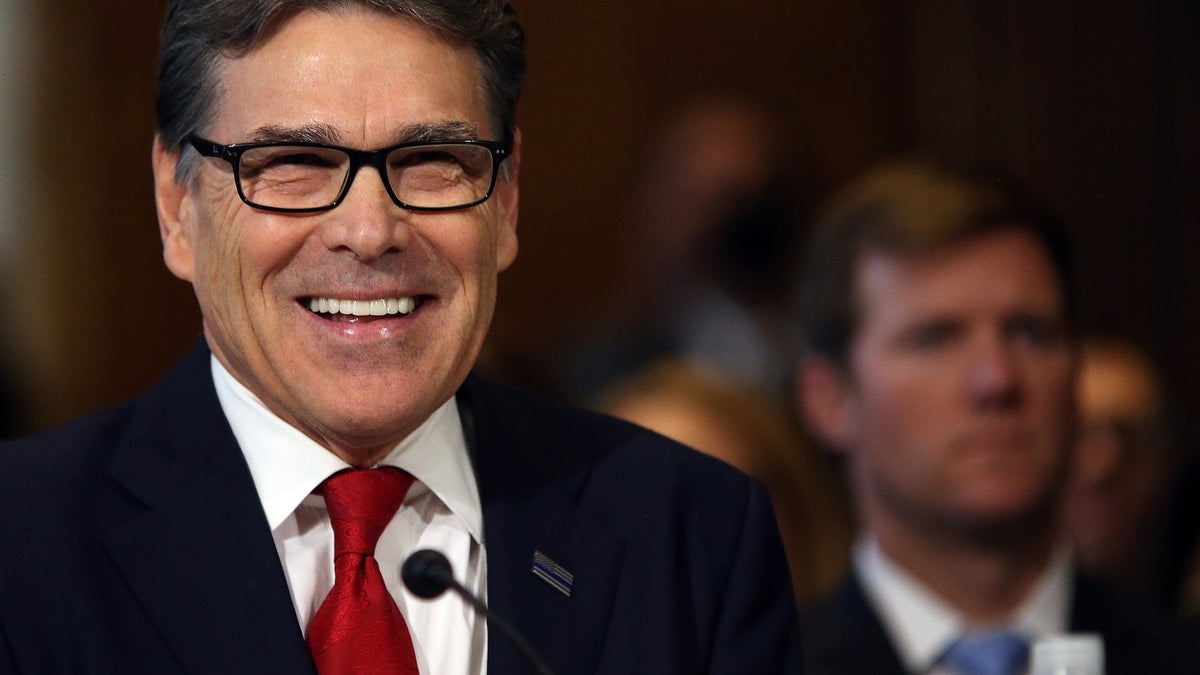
(1092, 104)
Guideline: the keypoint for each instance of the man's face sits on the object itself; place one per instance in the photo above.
(958, 400)
(357, 385)
(1122, 462)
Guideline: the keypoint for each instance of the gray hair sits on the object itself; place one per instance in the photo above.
(198, 34)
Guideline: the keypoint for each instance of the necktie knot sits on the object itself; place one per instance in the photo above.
(358, 629)
(361, 503)
(1002, 652)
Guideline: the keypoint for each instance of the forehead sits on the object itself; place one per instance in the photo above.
(361, 73)
(1001, 271)
(1115, 382)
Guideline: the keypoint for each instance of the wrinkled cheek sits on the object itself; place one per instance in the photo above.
(221, 288)
(479, 282)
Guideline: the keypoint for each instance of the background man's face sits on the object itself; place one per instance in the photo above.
(361, 80)
(1123, 461)
(959, 397)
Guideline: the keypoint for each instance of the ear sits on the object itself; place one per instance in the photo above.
(508, 198)
(176, 212)
(826, 399)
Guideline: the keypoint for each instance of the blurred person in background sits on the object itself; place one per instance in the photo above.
(1125, 465)
(753, 431)
(939, 359)
(712, 233)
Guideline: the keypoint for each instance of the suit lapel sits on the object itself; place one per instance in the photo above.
(200, 558)
(531, 488)
(844, 635)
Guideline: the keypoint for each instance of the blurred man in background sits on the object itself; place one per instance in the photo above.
(1125, 464)
(939, 360)
(711, 238)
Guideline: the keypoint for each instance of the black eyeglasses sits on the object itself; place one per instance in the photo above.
(293, 177)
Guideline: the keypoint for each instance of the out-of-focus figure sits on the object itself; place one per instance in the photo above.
(1124, 463)
(939, 354)
(752, 431)
(712, 236)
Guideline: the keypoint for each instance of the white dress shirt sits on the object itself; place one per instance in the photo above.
(921, 626)
(441, 511)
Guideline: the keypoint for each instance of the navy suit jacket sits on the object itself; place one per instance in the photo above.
(133, 541)
(844, 636)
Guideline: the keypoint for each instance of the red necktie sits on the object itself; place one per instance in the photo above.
(358, 630)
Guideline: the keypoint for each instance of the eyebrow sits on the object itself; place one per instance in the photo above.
(309, 133)
(328, 134)
(444, 131)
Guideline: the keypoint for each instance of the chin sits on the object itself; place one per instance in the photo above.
(372, 423)
(1021, 511)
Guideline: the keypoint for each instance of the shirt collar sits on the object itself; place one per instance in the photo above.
(921, 625)
(287, 465)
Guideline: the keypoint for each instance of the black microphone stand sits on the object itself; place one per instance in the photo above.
(427, 574)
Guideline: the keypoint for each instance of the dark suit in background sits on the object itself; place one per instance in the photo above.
(844, 636)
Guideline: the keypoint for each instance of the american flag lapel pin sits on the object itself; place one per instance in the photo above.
(552, 573)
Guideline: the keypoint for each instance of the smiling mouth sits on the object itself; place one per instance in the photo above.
(336, 309)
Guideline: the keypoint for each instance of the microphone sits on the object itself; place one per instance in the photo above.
(427, 574)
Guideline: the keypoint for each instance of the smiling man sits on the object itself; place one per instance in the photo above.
(338, 182)
(939, 360)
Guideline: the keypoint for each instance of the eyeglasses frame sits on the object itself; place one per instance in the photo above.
(233, 152)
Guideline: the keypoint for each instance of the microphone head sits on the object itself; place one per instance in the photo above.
(427, 574)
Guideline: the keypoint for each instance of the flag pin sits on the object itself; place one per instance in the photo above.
(552, 573)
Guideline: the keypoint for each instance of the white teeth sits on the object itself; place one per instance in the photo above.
(380, 307)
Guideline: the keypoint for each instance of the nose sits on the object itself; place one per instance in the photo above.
(994, 379)
(367, 224)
